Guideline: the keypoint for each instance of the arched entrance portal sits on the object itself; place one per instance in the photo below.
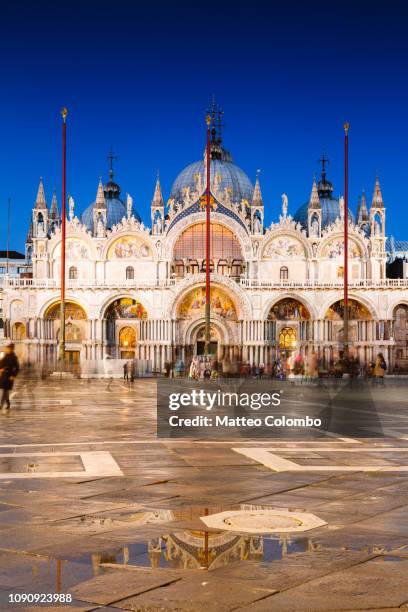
(127, 342)
(191, 325)
(359, 329)
(123, 318)
(75, 329)
(216, 342)
(289, 323)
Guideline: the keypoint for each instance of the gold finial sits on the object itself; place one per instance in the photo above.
(346, 127)
(208, 120)
(64, 113)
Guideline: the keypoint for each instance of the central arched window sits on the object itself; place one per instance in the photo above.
(73, 273)
(130, 273)
(284, 273)
(190, 247)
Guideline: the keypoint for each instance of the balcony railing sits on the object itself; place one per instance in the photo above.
(248, 283)
(384, 283)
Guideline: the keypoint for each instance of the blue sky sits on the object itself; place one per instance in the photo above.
(139, 76)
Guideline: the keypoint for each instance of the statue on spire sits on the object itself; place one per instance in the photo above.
(285, 203)
(71, 207)
(129, 205)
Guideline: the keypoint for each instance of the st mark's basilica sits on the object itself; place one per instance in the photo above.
(138, 292)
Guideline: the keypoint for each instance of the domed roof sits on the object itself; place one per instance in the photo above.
(330, 212)
(116, 208)
(330, 205)
(223, 171)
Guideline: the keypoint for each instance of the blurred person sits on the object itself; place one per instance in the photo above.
(312, 369)
(9, 368)
(132, 370)
(380, 368)
(126, 371)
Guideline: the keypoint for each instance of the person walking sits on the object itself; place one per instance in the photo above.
(132, 366)
(9, 368)
(126, 371)
(380, 368)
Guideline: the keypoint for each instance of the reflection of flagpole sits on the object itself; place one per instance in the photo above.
(346, 308)
(64, 114)
(207, 244)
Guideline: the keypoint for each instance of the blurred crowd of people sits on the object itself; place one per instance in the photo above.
(295, 366)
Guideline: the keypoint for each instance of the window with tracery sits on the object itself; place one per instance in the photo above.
(191, 243)
(130, 273)
(73, 273)
(284, 273)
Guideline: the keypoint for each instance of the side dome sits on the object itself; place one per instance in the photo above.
(224, 175)
(330, 205)
(116, 208)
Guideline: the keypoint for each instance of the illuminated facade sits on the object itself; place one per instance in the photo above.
(137, 291)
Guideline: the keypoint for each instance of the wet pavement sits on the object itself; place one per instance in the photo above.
(92, 504)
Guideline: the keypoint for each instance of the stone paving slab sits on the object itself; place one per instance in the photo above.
(374, 584)
(41, 574)
(198, 594)
(121, 584)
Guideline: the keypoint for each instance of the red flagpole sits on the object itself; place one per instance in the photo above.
(64, 114)
(208, 244)
(346, 306)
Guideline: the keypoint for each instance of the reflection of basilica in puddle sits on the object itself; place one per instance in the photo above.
(181, 548)
(201, 549)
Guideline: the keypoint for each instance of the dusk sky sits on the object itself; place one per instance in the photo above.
(139, 76)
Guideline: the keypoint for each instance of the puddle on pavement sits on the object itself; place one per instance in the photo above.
(192, 548)
(176, 539)
(195, 550)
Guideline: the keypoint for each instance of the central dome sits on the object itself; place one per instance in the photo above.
(224, 173)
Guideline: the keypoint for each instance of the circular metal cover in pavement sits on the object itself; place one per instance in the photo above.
(263, 521)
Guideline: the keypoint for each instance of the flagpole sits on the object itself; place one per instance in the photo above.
(207, 244)
(8, 236)
(346, 304)
(64, 114)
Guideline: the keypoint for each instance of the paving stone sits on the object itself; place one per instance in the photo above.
(198, 593)
(371, 585)
(121, 584)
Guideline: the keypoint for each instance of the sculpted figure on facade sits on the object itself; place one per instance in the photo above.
(284, 204)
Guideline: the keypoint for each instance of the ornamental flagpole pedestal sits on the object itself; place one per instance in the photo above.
(61, 356)
(208, 244)
(345, 297)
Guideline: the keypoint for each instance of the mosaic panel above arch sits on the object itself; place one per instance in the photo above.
(284, 247)
(193, 304)
(129, 247)
(126, 308)
(288, 309)
(72, 311)
(357, 311)
(335, 248)
(74, 249)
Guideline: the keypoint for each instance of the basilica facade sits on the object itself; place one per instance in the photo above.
(276, 292)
